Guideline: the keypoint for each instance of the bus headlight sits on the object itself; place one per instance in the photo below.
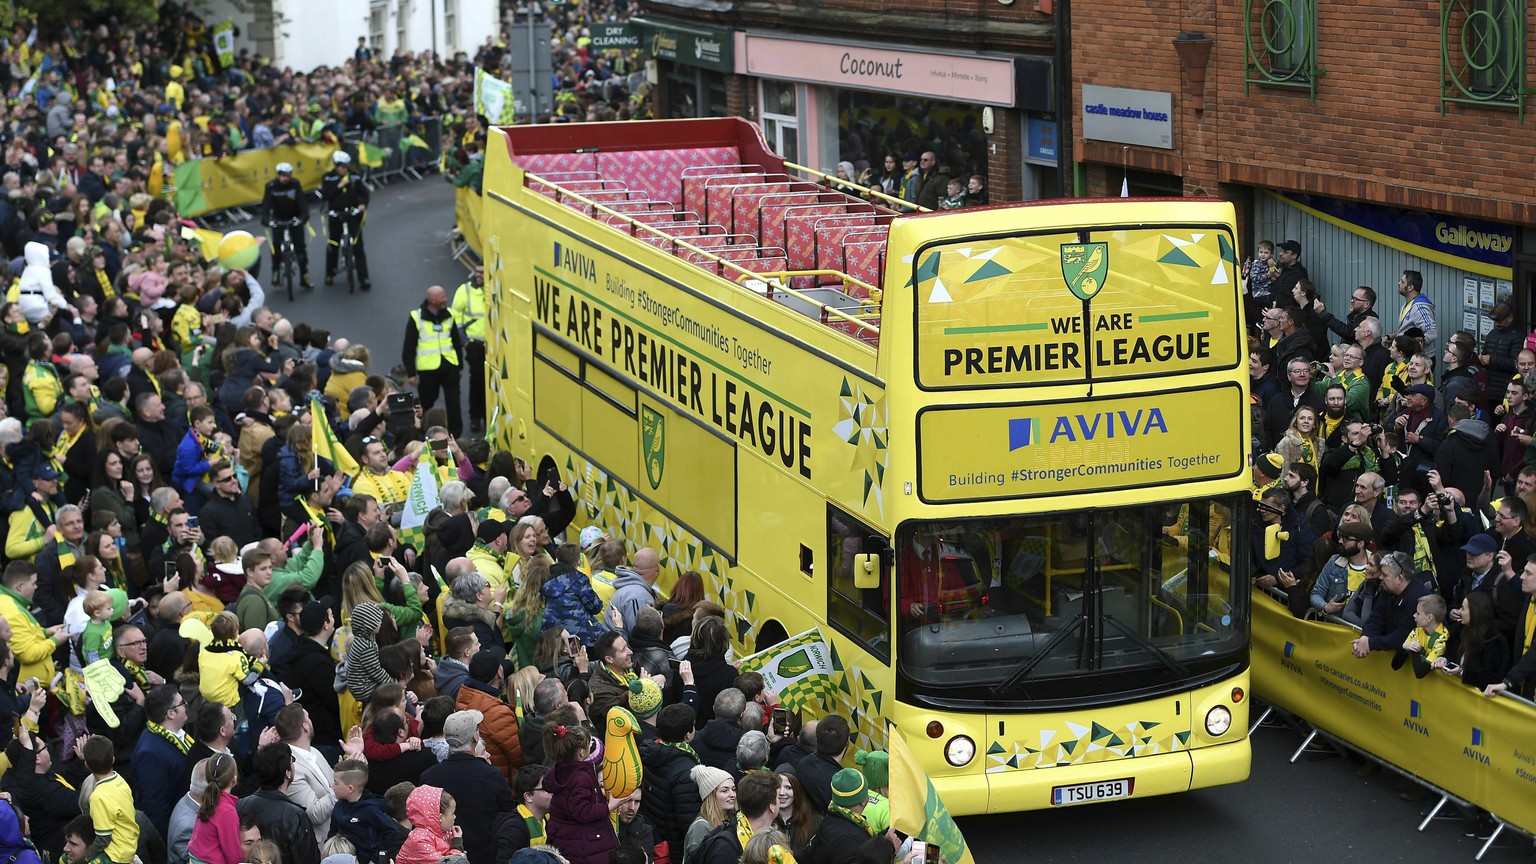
(959, 751)
(1217, 721)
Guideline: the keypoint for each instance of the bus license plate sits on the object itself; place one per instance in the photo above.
(1083, 793)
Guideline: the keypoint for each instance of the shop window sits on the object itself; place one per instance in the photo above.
(1482, 51)
(860, 614)
(781, 119)
(1282, 43)
(451, 26)
(874, 125)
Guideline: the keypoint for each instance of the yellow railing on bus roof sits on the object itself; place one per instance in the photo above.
(742, 272)
(852, 188)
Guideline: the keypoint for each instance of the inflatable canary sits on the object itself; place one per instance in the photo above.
(621, 753)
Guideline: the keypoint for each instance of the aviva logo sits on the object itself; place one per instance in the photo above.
(570, 260)
(1074, 428)
(1412, 721)
(1476, 755)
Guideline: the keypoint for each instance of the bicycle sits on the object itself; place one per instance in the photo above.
(287, 254)
(345, 245)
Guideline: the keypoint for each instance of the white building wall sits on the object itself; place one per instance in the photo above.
(311, 33)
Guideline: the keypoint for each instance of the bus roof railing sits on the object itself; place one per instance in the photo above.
(852, 188)
(828, 313)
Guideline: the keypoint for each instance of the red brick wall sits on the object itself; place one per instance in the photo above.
(1376, 132)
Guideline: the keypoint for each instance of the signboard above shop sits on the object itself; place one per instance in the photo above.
(1143, 117)
(954, 77)
(691, 45)
(609, 35)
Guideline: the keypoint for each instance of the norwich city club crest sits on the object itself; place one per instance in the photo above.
(794, 665)
(1083, 266)
(653, 433)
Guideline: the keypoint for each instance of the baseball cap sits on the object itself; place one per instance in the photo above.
(1355, 530)
(590, 534)
(491, 529)
(47, 472)
(1291, 246)
(1481, 544)
(459, 728)
(483, 666)
(1424, 390)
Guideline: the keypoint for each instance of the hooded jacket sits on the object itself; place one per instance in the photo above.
(630, 592)
(716, 743)
(364, 672)
(345, 375)
(671, 798)
(571, 603)
(38, 293)
(449, 677)
(14, 846)
(1467, 452)
(499, 728)
(427, 843)
(578, 822)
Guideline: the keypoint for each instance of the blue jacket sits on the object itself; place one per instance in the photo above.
(571, 603)
(191, 463)
(365, 824)
(1332, 582)
(1392, 617)
(161, 775)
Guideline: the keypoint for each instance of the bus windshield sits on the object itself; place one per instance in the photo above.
(1022, 605)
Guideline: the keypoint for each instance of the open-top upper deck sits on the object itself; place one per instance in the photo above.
(711, 193)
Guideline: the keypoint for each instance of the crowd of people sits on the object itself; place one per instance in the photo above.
(1395, 473)
(217, 646)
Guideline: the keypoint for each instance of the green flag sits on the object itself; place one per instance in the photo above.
(494, 99)
(370, 155)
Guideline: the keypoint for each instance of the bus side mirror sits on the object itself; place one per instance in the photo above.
(866, 570)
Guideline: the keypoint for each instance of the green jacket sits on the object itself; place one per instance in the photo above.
(304, 567)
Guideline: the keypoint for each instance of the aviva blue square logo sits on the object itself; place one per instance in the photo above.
(1022, 432)
(1413, 708)
(1290, 648)
(1477, 737)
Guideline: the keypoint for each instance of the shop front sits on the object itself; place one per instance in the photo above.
(692, 65)
(825, 102)
(1469, 265)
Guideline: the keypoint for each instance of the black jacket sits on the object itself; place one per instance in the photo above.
(509, 834)
(837, 840)
(308, 664)
(442, 316)
(671, 798)
(159, 439)
(710, 676)
(235, 519)
(815, 772)
(284, 823)
(716, 743)
(482, 792)
(409, 765)
(283, 201)
(338, 197)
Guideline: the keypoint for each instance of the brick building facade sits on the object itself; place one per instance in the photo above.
(1345, 130)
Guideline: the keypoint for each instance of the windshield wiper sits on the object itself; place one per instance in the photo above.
(1018, 675)
(1162, 656)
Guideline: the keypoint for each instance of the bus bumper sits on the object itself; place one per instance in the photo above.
(1164, 774)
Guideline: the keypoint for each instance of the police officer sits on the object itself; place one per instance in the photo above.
(434, 346)
(469, 310)
(285, 209)
(342, 193)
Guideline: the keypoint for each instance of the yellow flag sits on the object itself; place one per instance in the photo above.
(324, 441)
(915, 806)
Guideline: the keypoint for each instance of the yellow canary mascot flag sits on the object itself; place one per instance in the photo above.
(915, 806)
(622, 769)
(323, 441)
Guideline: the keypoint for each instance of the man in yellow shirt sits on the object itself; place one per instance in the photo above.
(32, 527)
(489, 551)
(117, 832)
(31, 644)
(376, 478)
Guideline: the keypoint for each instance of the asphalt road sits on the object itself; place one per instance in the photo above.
(406, 237)
(1316, 810)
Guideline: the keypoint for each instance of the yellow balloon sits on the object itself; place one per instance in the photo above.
(239, 250)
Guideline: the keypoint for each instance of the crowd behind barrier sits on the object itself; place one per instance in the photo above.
(1467, 748)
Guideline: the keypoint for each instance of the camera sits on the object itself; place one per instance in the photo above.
(1443, 499)
(1375, 428)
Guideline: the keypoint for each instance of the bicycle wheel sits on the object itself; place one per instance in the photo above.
(346, 255)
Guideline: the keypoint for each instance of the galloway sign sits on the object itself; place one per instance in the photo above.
(957, 77)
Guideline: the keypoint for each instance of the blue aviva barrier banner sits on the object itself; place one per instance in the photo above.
(1477, 748)
(1465, 244)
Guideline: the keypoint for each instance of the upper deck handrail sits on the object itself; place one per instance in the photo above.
(855, 189)
(742, 273)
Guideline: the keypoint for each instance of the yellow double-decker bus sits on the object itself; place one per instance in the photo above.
(997, 455)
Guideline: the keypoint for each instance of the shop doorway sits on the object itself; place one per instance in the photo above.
(872, 125)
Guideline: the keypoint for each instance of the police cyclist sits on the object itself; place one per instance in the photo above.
(346, 199)
(285, 210)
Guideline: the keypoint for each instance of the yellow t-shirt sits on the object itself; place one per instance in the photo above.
(112, 813)
(204, 602)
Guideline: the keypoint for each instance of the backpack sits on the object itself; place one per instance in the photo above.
(721, 839)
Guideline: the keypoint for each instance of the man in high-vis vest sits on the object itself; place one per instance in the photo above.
(433, 352)
(469, 310)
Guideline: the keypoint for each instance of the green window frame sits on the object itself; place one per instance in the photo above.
(1482, 53)
(1281, 37)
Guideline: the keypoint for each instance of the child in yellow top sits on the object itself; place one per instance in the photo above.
(111, 808)
(222, 666)
(1429, 638)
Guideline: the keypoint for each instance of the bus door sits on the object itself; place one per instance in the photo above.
(859, 583)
